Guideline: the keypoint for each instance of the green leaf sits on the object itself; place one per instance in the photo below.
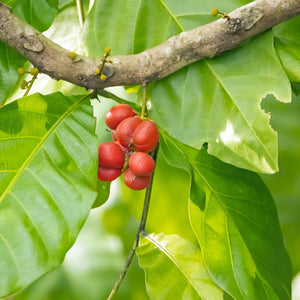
(10, 61)
(48, 166)
(106, 26)
(284, 185)
(220, 96)
(235, 220)
(174, 269)
(222, 106)
(287, 45)
(38, 13)
(103, 188)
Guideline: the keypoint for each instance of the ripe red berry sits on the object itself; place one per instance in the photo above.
(136, 182)
(105, 174)
(111, 156)
(126, 129)
(146, 136)
(117, 114)
(141, 164)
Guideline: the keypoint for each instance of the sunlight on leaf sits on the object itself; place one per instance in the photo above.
(235, 220)
(287, 45)
(206, 96)
(47, 183)
(174, 269)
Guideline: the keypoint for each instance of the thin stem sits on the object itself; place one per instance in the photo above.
(30, 85)
(147, 200)
(110, 95)
(80, 12)
(124, 271)
(104, 60)
(144, 99)
(140, 230)
(107, 94)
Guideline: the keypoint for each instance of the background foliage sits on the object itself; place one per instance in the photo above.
(223, 110)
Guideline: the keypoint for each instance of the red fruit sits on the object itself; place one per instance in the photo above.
(126, 129)
(146, 136)
(136, 182)
(111, 156)
(117, 114)
(141, 164)
(105, 174)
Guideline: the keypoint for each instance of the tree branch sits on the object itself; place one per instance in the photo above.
(153, 64)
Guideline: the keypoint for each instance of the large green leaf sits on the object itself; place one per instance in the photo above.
(285, 185)
(218, 101)
(215, 100)
(38, 13)
(174, 269)
(48, 163)
(132, 26)
(235, 220)
(287, 44)
(10, 61)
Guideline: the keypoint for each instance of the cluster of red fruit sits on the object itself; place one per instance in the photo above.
(133, 139)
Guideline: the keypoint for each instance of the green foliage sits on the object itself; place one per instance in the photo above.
(231, 212)
(229, 117)
(207, 112)
(285, 185)
(220, 88)
(10, 62)
(179, 264)
(47, 180)
(38, 13)
(287, 43)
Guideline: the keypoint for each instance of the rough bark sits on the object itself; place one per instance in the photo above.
(155, 63)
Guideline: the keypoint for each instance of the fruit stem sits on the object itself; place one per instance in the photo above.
(140, 232)
(30, 85)
(107, 94)
(144, 99)
(104, 60)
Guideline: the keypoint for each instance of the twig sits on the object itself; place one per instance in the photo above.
(155, 63)
(144, 99)
(30, 85)
(140, 230)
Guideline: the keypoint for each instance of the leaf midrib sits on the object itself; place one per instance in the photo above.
(172, 15)
(225, 210)
(38, 146)
(166, 252)
(243, 116)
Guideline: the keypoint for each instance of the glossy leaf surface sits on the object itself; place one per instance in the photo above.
(174, 269)
(235, 220)
(216, 100)
(287, 45)
(285, 185)
(48, 167)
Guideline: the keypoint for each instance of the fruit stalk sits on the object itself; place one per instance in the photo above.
(139, 232)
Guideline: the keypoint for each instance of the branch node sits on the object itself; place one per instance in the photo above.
(33, 43)
(82, 78)
(255, 15)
